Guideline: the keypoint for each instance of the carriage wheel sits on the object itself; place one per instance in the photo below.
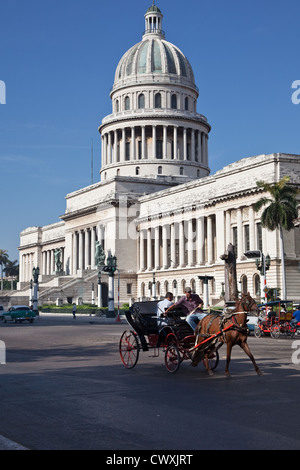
(257, 331)
(275, 331)
(213, 361)
(129, 349)
(172, 358)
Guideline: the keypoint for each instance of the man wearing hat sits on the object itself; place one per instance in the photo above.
(191, 305)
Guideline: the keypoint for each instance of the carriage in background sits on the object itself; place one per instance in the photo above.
(280, 323)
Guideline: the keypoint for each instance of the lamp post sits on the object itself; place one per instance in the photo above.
(153, 287)
(35, 275)
(110, 269)
(262, 264)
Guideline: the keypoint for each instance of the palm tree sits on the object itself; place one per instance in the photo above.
(12, 270)
(280, 211)
(3, 261)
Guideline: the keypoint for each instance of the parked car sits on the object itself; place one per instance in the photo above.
(251, 322)
(19, 313)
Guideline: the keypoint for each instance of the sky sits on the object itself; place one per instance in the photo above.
(58, 59)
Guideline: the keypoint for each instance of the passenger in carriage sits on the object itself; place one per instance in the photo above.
(161, 307)
(191, 305)
(271, 315)
(295, 318)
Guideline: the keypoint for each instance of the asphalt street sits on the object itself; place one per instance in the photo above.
(63, 387)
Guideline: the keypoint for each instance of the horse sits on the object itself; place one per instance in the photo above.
(229, 328)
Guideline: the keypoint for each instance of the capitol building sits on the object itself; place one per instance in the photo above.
(157, 208)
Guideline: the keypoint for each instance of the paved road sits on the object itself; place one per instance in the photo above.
(63, 387)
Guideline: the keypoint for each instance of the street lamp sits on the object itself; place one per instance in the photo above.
(35, 275)
(153, 287)
(262, 264)
(110, 269)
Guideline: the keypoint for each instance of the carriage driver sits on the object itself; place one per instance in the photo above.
(191, 305)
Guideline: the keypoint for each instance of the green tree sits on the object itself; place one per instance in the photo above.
(3, 261)
(279, 213)
(12, 270)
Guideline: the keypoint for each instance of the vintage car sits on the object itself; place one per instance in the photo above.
(19, 313)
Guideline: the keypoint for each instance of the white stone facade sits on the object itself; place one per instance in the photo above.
(157, 208)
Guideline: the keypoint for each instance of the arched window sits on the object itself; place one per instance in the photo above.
(141, 101)
(181, 170)
(157, 100)
(118, 172)
(117, 106)
(174, 102)
(127, 103)
(256, 285)
(137, 170)
(186, 104)
(159, 170)
(244, 286)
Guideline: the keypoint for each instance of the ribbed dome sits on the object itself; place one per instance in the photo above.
(154, 56)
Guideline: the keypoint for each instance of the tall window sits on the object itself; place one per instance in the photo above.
(127, 156)
(141, 101)
(186, 104)
(157, 100)
(174, 102)
(127, 103)
(259, 236)
(159, 147)
(159, 170)
(235, 238)
(246, 238)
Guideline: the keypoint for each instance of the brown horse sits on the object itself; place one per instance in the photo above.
(230, 328)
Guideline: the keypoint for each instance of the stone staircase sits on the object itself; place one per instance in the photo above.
(57, 290)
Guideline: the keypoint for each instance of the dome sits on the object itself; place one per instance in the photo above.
(154, 60)
(156, 57)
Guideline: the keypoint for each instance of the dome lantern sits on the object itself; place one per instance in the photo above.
(153, 22)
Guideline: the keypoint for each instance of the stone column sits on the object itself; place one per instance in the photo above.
(199, 147)
(80, 253)
(181, 245)
(149, 250)
(133, 156)
(175, 143)
(165, 140)
(193, 149)
(156, 249)
(240, 244)
(190, 243)
(93, 247)
(143, 142)
(209, 240)
(115, 146)
(184, 143)
(142, 250)
(200, 241)
(153, 142)
(251, 228)
(86, 248)
(165, 246)
(173, 246)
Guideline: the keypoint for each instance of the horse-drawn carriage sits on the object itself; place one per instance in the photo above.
(279, 323)
(177, 340)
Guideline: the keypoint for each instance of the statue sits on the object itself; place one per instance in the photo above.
(58, 263)
(99, 255)
(231, 290)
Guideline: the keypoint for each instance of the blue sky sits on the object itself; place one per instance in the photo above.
(58, 58)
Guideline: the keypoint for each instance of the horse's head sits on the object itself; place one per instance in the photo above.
(248, 304)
